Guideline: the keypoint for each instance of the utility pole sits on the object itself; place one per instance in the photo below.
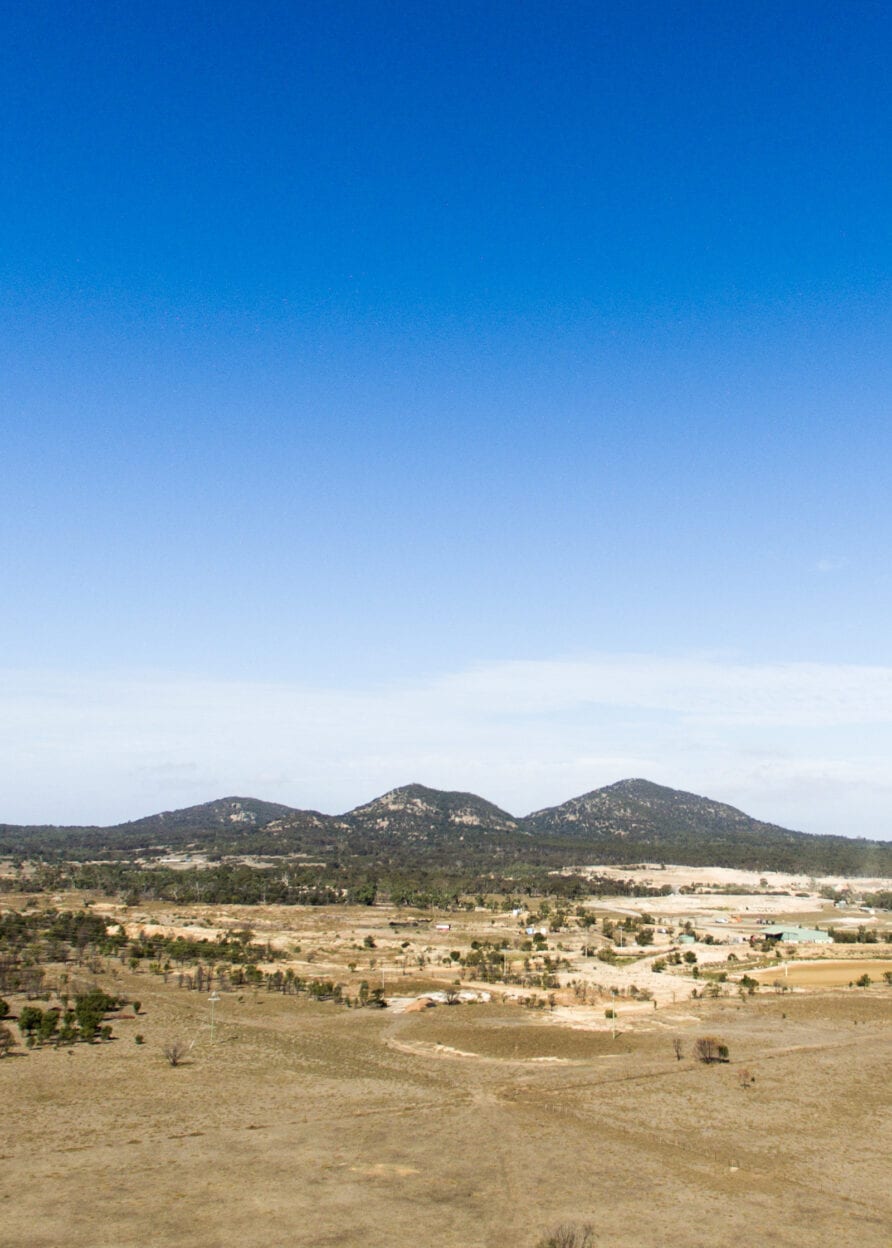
(213, 999)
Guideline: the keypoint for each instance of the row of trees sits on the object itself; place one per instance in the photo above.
(287, 982)
(859, 936)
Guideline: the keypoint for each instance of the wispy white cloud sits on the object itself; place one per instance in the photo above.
(802, 744)
(793, 694)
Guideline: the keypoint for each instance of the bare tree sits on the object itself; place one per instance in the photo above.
(175, 1051)
(677, 1049)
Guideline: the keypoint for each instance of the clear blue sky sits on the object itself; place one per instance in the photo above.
(350, 348)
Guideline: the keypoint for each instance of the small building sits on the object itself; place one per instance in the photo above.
(687, 939)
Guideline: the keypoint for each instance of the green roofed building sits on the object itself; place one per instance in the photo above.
(799, 936)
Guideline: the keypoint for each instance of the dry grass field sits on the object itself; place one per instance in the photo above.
(469, 1126)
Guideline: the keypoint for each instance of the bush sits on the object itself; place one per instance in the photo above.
(568, 1235)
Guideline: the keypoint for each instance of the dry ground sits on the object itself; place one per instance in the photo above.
(474, 1126)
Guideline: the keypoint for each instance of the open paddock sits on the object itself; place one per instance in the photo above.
(825, 972)
(461, 1126)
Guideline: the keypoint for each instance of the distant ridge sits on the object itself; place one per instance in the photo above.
(632, 808)
(632, 820)
(661, 824)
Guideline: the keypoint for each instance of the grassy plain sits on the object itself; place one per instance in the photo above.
(478, 1125)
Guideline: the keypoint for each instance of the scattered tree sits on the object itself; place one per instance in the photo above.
(30, 1018)
(677, 1049)
(709, 1049)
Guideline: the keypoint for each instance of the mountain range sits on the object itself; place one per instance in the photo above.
(630, 821)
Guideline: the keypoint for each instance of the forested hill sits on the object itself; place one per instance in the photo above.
(416, 813)
(632, 821)
(636, 819)
(228, 819)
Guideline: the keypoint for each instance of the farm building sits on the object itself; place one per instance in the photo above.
(798, 936)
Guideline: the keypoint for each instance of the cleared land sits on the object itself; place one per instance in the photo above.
(826, 973)
(456, 1126)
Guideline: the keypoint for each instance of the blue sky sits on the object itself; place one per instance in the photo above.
(357, 360)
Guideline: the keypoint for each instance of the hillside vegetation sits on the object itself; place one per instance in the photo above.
(415, 826)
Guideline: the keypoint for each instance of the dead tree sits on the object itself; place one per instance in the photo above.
(174, 1051)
